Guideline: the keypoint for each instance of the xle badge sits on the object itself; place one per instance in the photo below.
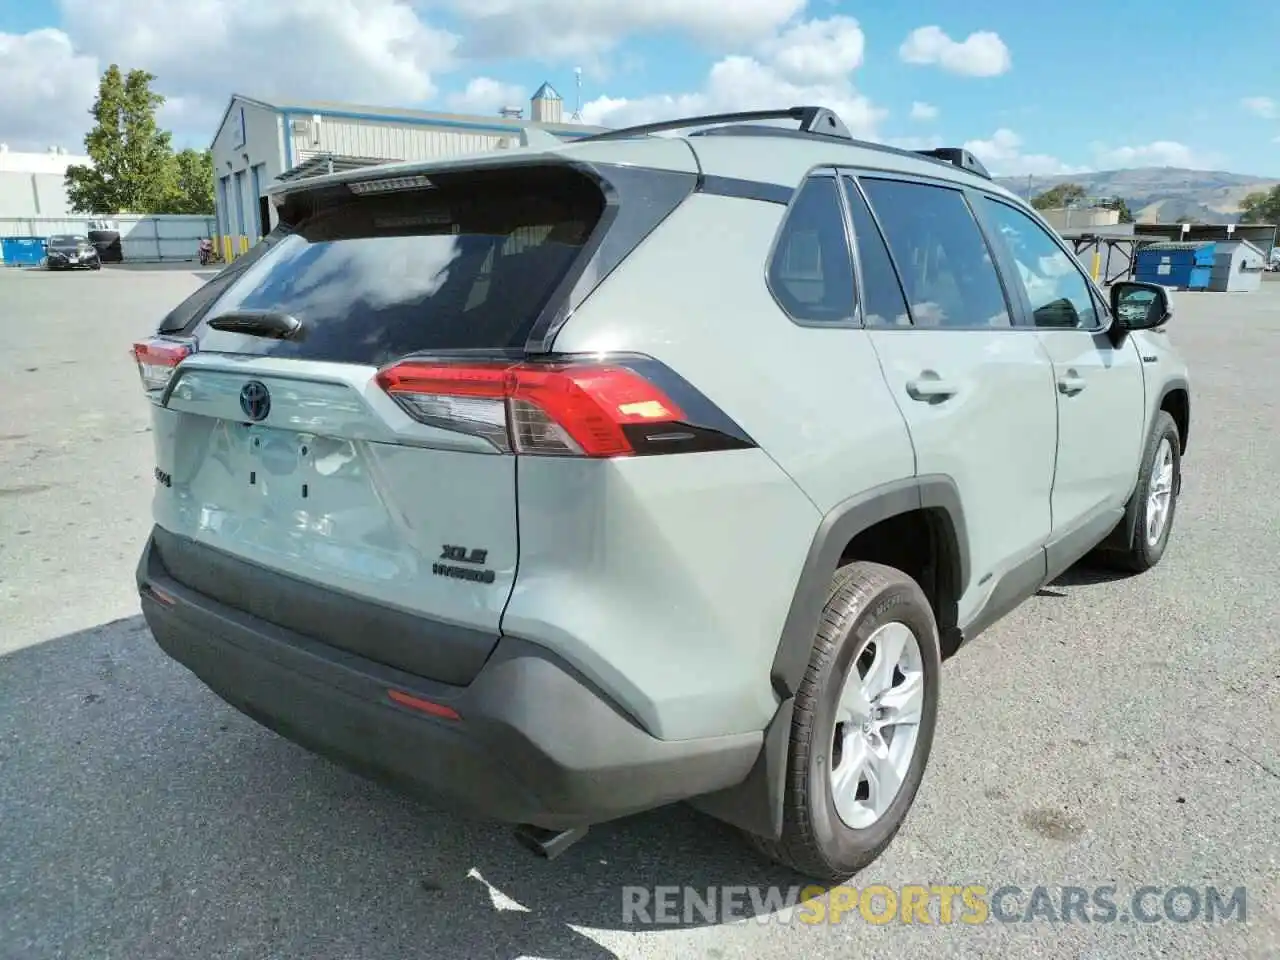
(455, 555)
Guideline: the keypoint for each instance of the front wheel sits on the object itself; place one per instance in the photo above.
(1154, 502)
(863, 724)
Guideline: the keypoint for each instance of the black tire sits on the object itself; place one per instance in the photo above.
(97, 265)
(815, 841)
(1140, 555)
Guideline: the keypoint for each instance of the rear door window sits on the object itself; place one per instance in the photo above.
(947, 271)
(469, 264)
(883, 303)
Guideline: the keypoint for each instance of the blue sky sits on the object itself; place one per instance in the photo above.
(1098, 87)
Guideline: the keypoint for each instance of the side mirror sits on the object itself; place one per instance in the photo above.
(1140, 306)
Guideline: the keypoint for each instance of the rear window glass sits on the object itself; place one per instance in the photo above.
(469, 264)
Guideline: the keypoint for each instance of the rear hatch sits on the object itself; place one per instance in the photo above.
(297, 480)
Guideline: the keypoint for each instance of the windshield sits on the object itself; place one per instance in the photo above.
(66, 240)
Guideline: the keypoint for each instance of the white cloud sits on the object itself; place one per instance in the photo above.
(377, 51)
(48, 90)
(555, 29)
(817, 50)
(923, 111)
(483, 95)
(808, 64)
(1160, 153)
(1002, 154)
(1264, 107)
(981, 54)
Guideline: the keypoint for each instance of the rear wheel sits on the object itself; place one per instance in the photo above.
(863, 724)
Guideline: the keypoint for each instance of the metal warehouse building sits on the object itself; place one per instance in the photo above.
(259, 142)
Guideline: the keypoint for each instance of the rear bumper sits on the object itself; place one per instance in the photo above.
(533, 741)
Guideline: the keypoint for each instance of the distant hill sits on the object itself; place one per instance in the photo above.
(1159, 194)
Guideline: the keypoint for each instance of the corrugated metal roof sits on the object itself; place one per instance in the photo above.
(546, 92)
(403, 113)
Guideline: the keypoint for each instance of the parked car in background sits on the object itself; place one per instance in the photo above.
(69, 251)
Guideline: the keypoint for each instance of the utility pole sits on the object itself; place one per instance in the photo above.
(577, 111)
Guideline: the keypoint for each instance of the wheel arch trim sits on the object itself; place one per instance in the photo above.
(840, 525)
(1171, 385)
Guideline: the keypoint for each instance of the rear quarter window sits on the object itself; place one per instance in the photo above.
(811, 271)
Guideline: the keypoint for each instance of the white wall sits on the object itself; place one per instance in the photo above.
(236, 152)
(33, 184)
(1078, 219)
(50, 163)
(142, 238)
(33, 195)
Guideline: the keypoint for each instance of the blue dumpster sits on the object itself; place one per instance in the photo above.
(1185, 265)
(22, 251)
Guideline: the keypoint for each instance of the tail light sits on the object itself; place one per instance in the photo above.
(157, 358)
(572, 408)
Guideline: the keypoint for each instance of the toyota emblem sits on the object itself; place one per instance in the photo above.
(255, 400)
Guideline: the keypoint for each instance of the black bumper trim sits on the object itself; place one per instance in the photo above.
(534, 743)
(425, 648)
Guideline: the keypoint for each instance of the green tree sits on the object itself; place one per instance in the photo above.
(189, 183)
(1117, 203)
(1261, 207)
(133, 164)
(1055, 198)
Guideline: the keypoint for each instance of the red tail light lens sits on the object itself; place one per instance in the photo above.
(157, 358)
(563, 409)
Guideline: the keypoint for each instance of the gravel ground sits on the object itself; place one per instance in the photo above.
(1112, 731)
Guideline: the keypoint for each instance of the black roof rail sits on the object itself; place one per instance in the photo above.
(957, 156)
(818, 120)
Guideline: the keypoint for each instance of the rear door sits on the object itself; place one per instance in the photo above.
(978, 395)
(278, 444)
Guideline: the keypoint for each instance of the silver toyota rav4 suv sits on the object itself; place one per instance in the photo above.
(568, 481)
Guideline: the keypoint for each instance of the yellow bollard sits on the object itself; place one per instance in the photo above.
(244, 244)
(1097, 263)
(226, 249)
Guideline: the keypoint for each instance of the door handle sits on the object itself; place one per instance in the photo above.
(930, 388)
(1071, 383)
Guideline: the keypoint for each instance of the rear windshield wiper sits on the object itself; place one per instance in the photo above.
(258, 323)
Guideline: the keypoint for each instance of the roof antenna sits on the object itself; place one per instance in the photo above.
(577, 110)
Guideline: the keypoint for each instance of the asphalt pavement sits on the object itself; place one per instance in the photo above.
(1112, 732)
